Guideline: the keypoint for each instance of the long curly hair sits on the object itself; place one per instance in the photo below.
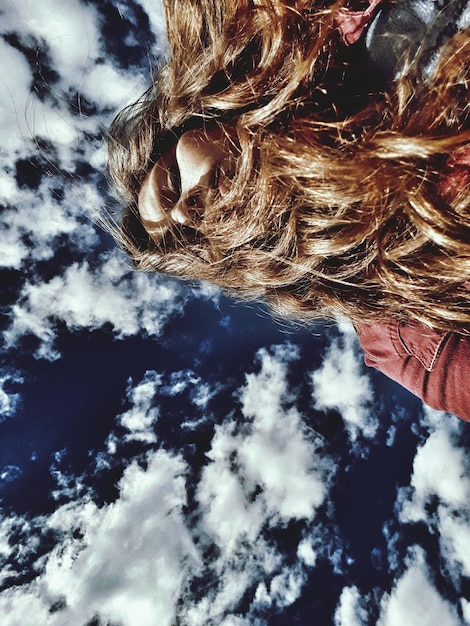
(341, 202)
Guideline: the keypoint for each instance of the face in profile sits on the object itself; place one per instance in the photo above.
(185, 180)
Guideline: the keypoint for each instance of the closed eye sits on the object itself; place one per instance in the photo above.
(222, 177)
(173, 179)
(216, 176)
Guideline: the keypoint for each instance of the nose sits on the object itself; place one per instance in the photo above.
(195, 156)
(189, 209)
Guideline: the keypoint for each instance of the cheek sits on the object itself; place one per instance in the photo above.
(148, 203)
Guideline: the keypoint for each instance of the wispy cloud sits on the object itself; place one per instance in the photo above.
(342, 384)
(82, 298)
(136, 556)
(9, 399)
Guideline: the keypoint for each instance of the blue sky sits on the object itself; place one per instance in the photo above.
(169, 456)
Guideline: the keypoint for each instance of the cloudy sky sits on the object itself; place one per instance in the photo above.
(168, 456)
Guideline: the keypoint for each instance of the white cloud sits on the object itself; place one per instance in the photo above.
(9, 473)
(72, 50)
(121, 87)
(8, 401)
(179, 382)
(265, 392)
(203, 392)
(14, 95)
(68, 27)
(264, 471)
(349, 611)
(67, 32)
(14, 251)
(455, 539)
(439, 470)
(465, 610)
(277, 453)
(286, 587)
(231, 517)
(154, 10)
(441, 479)
(132, 303)
(415, 600)
(306, 553)
(131, 563)
(43, 220)
(141, 418)
(340, 383)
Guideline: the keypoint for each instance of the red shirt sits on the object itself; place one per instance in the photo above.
(432, 364)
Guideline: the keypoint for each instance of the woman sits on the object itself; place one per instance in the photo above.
(314, 155)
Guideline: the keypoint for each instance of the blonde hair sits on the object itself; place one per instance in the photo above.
(339, 204)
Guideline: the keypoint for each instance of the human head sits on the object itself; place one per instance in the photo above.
(327, 213)
(247, 59)
(186, 180)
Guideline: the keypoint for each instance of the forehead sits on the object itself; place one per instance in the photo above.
(152, 202)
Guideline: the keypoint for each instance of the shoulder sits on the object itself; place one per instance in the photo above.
(432, 364)
(397, 340)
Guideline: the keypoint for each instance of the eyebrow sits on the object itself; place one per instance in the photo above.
(173, 173)
(167, 170)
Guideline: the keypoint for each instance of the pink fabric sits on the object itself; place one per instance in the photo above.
(352, 23)
(433, 365)
(456, 173)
